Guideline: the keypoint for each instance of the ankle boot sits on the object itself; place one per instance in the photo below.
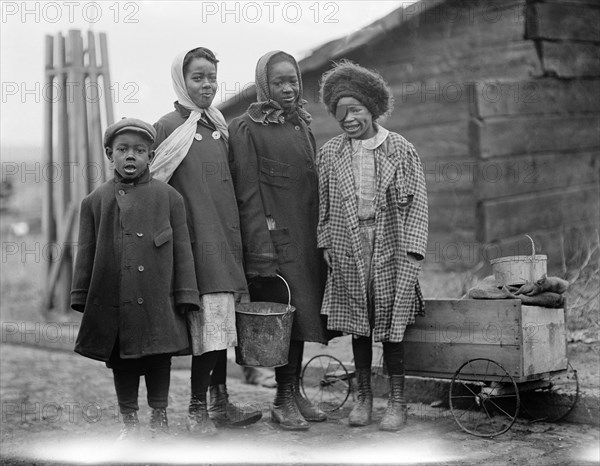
(131, 427)
(285, 411)
(395, 414)
(198, 420)
(363, 408)
(159, 425)
(309, 411)
(222, 412)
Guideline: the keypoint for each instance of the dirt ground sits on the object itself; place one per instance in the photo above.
(60, 408)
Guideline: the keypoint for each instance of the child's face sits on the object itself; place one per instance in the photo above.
(284, 84)
(201, 82)
(354, 118)
(130, 153)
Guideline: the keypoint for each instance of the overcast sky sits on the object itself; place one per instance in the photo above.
(143, 38)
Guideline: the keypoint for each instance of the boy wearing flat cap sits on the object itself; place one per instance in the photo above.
(134, 278)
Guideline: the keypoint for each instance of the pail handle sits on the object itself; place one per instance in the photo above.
(289, 291)
(531, 268)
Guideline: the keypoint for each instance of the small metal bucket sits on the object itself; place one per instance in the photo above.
(263, 331)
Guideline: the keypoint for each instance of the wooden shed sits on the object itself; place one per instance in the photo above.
(501, 100)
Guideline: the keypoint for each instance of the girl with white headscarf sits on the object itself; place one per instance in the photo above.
(191, 155)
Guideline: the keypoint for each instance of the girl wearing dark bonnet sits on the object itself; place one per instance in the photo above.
(272, 156)
(373, 232)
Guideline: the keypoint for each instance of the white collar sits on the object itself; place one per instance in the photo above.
(375, 141)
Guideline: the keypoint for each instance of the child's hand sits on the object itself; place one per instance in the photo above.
(327, 257)
(412, 258)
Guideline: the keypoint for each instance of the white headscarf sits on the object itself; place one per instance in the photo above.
(171, 152)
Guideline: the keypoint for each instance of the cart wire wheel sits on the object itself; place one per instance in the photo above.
(484, 398)
(325, 382)
(555, 399)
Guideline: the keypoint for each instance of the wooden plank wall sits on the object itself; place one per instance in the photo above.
(537, 140)
(500, 99)
(429, 62)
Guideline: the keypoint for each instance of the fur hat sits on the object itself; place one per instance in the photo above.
(347, 79)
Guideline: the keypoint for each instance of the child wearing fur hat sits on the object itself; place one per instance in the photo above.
(372, 230)
(134, 277)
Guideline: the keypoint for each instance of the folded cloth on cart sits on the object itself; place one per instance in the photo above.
(546, 292)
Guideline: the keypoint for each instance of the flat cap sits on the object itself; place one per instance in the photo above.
(129, 124)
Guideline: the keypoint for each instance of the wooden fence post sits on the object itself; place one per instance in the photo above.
(75, 165)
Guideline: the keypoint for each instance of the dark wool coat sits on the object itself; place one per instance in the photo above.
(274, 172)
(204, 181)
(401, 227)
(133, 270)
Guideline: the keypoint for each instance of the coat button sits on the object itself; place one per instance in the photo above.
(121, 192)
(140, 234)
(297, 128)
(141, 268)
(198, 137)
(140, 301)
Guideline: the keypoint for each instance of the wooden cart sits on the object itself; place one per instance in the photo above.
(499, 355)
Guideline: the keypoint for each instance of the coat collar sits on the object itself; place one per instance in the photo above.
(185, 113)
(142, 179)
(388, 157)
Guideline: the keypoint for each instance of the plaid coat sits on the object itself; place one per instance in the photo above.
(401, 227)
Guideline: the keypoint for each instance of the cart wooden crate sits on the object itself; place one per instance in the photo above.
(527, 341)
(496, 354)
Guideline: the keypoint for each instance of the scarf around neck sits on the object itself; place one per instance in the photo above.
(266, 110)
(171, 152)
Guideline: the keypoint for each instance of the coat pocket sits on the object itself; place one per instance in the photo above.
(287, 251)
(164, 235)
(404, 199)
(276, 173)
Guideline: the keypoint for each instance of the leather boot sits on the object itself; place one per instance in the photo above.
(131, 427)
(363, 408)
(159, 425)
(222, 412)
(198, 420)
(395, 414)
(309, 411)
(285, 411)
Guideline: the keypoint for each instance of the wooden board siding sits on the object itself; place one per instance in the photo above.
(563, 21)
(512, 60)
(465, 25)
(530, 134)
(530, 173)
(451, 210)
(537, 211)
(570, 59)
(442, 140)
(544, 96)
